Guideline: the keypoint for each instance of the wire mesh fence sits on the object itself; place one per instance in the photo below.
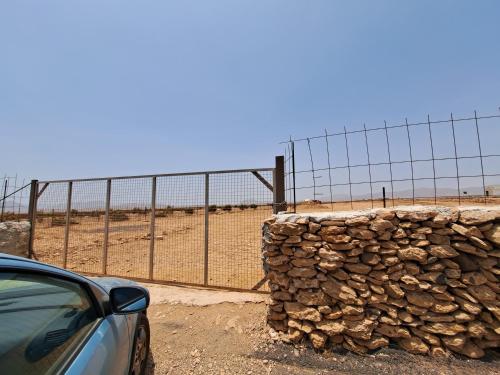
(14, 198)
(192, 228)
(449, 162)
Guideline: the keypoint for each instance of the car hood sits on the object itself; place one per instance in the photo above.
(110, 282)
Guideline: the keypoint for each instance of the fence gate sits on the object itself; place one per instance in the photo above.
(201, 228)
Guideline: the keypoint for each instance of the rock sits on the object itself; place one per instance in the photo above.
(415, 215)
(373, 343)
(428, 337)
(358, 268)
(469, 249)
(438, 352)
(314, 227)
(414, 345)
(312, 298)
(332, 231)
(379, 225)
(444, 307)
(304, 262)
(474, 278)
(482, 292)
(294, 335)
(318, 339)
(476, 329)
(311, 237)
(420, 299)
(466, 263)
(471, 350)
(281, 296)
(331, 327)
(360, 220)
(362, 234)
(302, 272)
(352, 346)
(438, 239)
(331, 255)
(443, 251)
(448, 329)
(413, 253)
(288, 229)
(14, 237)
(481, 243)
(297, 310)
(361, 329)
(394, 290)
(392, 331)
(455, 343)
(305, 283)
(493, 234)
(477, 217)
(278, 260)
(370, 258)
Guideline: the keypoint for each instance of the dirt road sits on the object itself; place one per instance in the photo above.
(229, 338)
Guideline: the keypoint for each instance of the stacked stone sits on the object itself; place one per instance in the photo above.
(426, 278)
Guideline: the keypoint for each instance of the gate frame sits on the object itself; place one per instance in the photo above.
(279, 204)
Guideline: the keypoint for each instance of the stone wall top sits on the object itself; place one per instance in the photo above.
(417, 212)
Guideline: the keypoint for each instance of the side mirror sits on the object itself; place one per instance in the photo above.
(128, 299)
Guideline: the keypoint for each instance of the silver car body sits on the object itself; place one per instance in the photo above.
(107, 349)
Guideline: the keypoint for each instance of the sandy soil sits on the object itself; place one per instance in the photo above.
(229, 338)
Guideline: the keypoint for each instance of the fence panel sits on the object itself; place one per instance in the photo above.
(243, 202)
(179, 229)
(86, 234)
(199, 228)
(51, 223)
(449, 162)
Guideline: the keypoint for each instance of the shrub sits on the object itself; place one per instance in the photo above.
(117, 216)
(160, 213)
(243, 206)
(189, 210)
(227, 207)
(254, 206)
(212, 208)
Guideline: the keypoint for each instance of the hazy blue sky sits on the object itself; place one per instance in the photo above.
(98, 88)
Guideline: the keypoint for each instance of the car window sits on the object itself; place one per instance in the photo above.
(42, 321)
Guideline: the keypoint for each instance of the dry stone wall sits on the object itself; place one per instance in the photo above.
(14, 237)
(426, 278)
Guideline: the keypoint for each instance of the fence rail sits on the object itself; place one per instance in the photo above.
(197, 228)
(446, 161)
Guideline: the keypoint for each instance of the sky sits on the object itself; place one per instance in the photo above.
(109, 88)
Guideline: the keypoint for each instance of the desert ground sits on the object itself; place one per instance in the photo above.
(234, 242)
(205, 332)
(233, 257)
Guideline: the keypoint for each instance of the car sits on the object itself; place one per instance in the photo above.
(53, 321)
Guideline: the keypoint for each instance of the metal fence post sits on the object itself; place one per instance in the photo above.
(279, 200)
(66, 228)
(383, 196)
(32, 215)
(293, 175)
(5, 184)
(207, 197)
(152, 228)
(106, 229)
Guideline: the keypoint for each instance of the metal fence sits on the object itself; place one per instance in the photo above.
(14, 198)
(201, 228)
(448, 162)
